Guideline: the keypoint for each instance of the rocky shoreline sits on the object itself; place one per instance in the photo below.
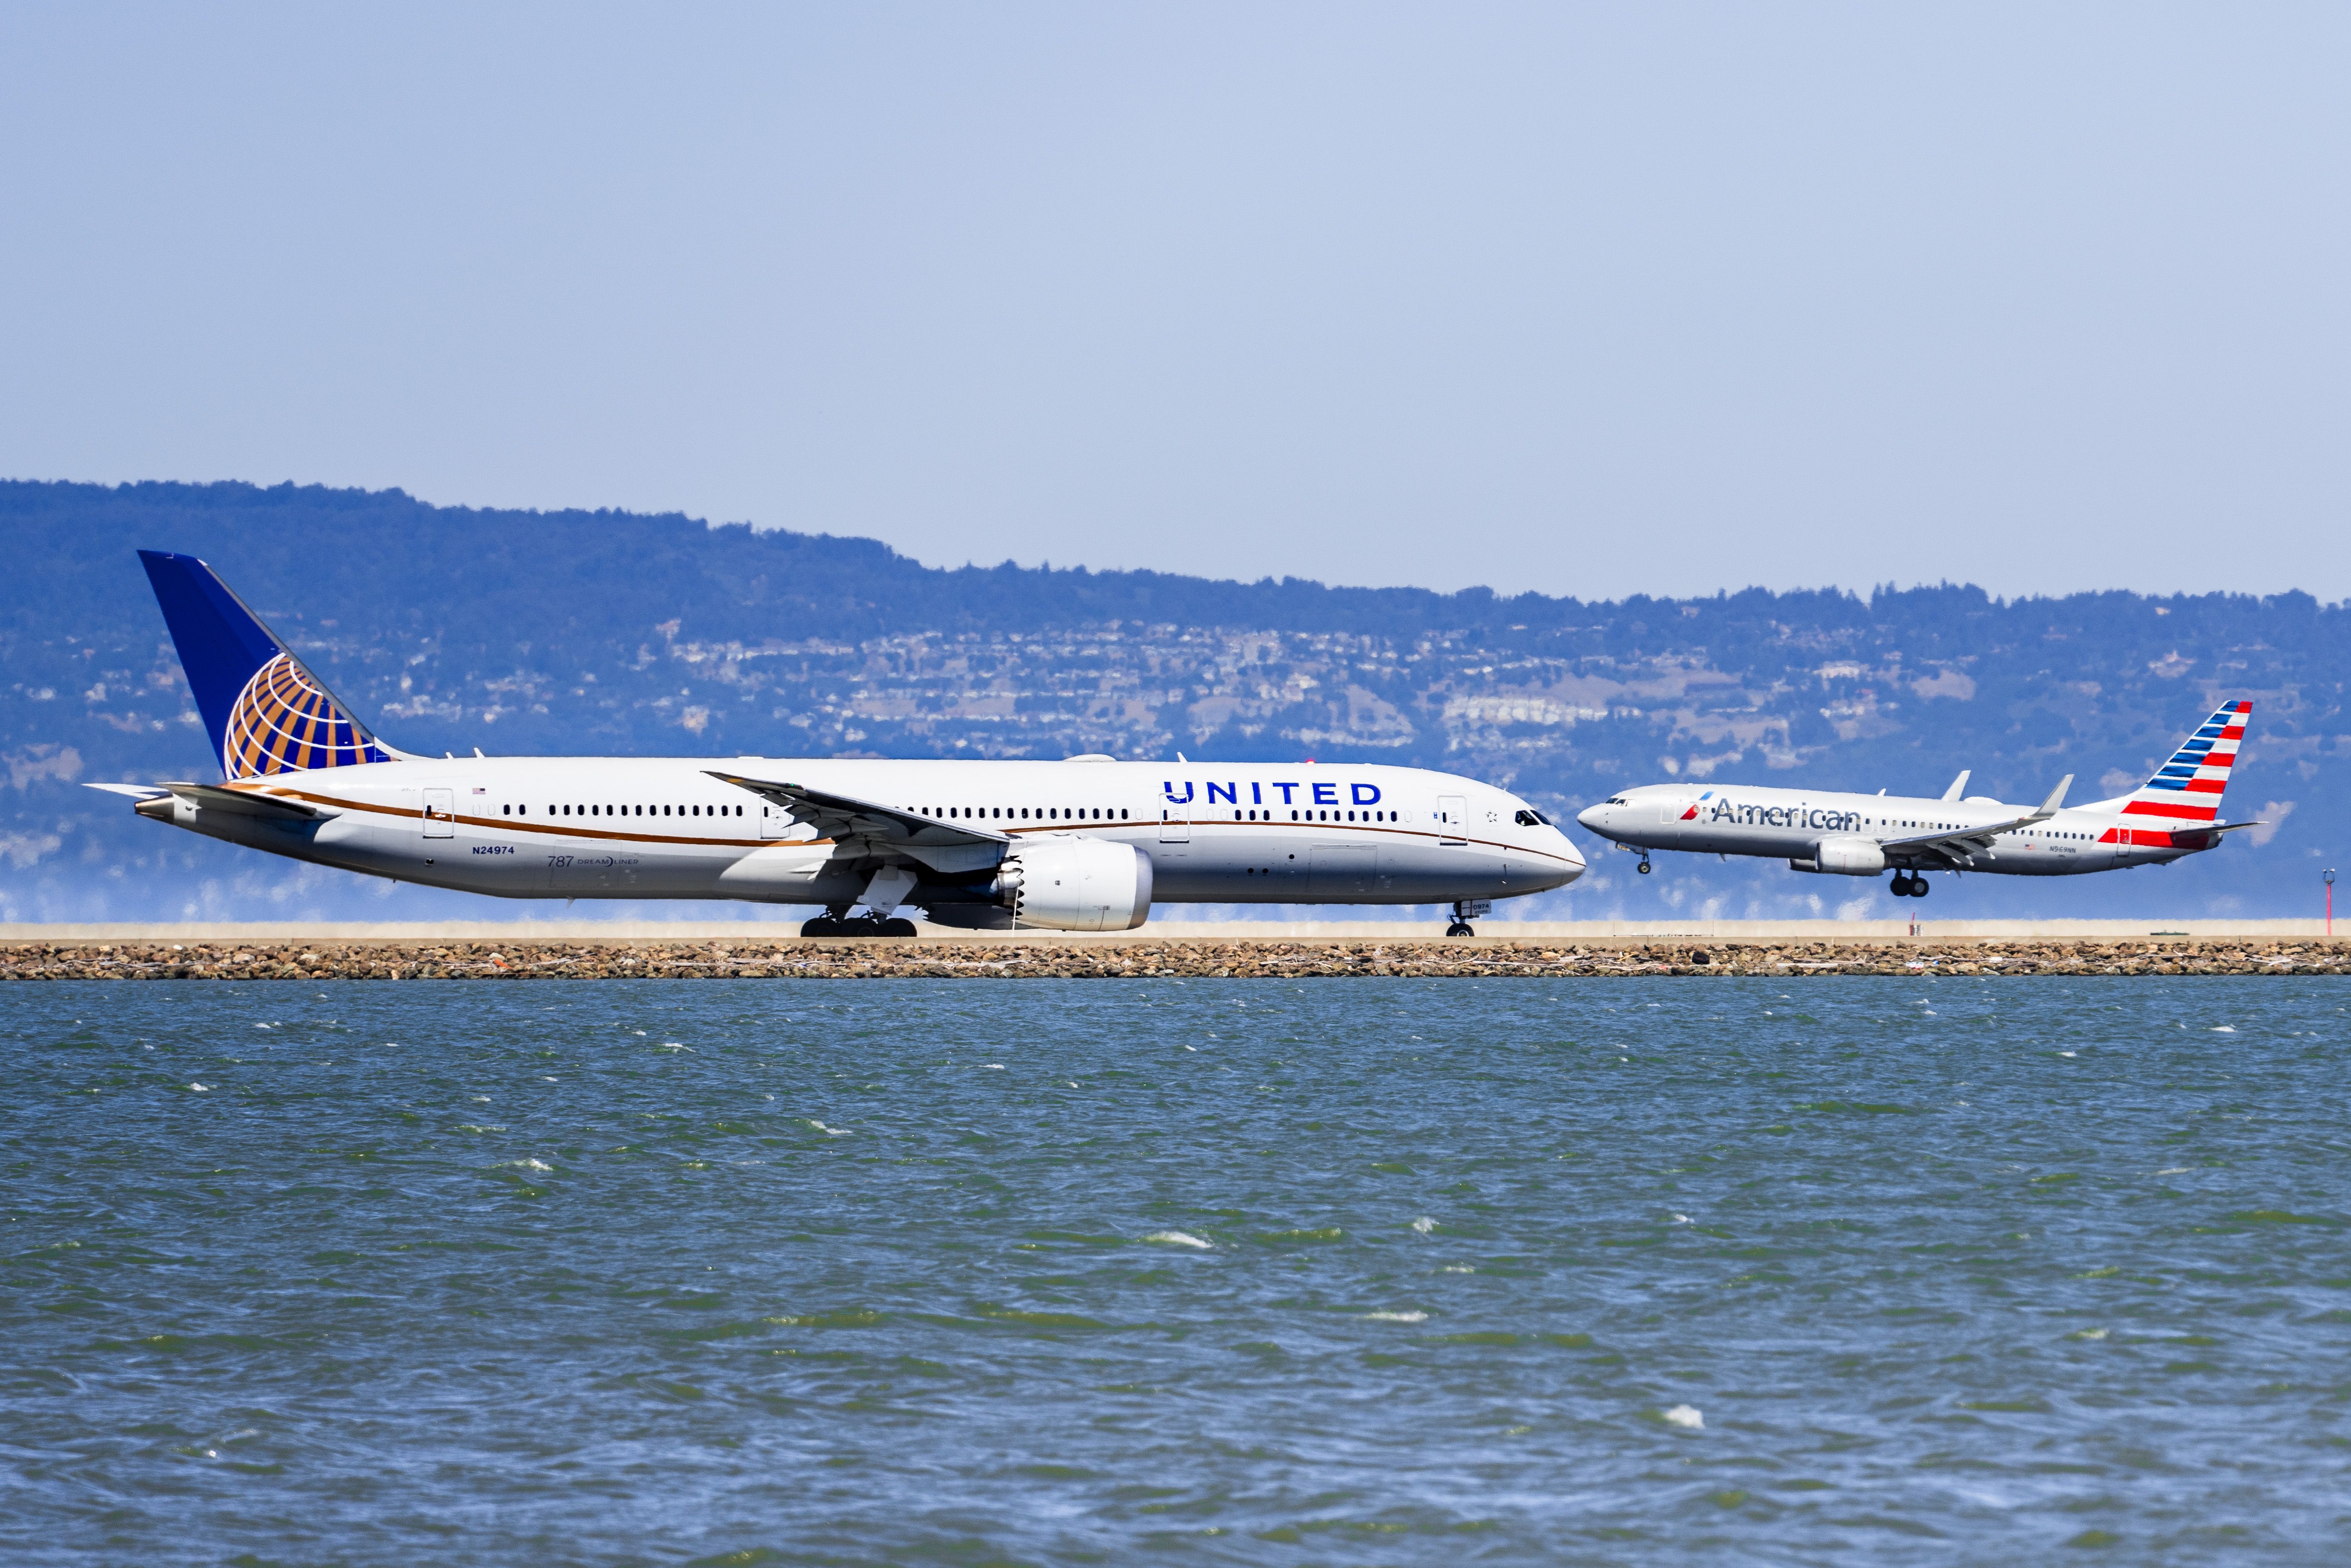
(1258, 959)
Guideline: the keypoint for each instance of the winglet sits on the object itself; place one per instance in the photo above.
(2056, 798)
(1958, 784)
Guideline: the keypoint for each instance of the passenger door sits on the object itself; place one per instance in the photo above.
(1174, 829)
(440, 813)
(1452, 816)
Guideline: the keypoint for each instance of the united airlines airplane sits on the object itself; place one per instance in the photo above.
(2175, 813)
(1088, 844)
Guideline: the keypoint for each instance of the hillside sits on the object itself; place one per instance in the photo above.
(578, 631)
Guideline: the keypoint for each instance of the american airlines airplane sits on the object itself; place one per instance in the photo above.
(2175, 813)
(1088, 844)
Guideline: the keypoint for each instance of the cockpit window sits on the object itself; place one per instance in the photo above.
(1533, 819)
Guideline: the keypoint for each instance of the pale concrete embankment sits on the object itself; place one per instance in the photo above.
(1130, 956)
(1179, 930)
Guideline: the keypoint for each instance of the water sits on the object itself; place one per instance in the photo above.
(1334, 1271)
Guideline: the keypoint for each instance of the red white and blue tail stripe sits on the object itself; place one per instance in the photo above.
(2187, 788)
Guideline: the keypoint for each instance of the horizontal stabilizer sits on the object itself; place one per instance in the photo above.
(136, 792)
(245, 802)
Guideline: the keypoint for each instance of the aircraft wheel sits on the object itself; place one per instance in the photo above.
(897, 927)
(1459, 928)
(822, 925)
(1919, 886)
(1645, 868)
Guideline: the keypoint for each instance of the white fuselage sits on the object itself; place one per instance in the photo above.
(664, 828)
(1788, 824)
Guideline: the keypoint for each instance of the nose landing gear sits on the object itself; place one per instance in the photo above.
(1464, 911)
(1644, 862)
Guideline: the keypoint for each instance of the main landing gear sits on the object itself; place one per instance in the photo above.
(882, 896)
(1906, 884)
(831, 924)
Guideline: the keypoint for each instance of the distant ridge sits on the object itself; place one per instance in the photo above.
(605, 631)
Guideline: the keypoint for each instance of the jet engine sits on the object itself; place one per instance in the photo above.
(1076, 884)
(1847, 854)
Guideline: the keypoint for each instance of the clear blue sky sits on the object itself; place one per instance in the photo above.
(1594, 301)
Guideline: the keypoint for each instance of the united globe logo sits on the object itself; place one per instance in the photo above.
(283, 722)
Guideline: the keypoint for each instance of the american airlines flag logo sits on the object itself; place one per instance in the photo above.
(2187, 788)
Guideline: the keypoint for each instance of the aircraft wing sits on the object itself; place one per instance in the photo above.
(839, 816)
(1961, 844)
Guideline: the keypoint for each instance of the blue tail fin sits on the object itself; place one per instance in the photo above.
(264, 713)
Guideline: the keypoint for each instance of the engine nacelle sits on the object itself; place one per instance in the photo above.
(1076, 884)
(1847, 854)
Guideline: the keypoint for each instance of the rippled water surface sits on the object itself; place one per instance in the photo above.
(1359, 1271)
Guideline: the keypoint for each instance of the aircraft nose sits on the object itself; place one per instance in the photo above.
(1589, 819)
(1575, 856)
